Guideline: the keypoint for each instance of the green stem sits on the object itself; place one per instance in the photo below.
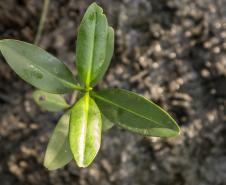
(82, 89)
(79, 88)
(42, 21)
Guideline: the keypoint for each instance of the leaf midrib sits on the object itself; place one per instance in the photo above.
(92, 54)
(86, 109)
(137, 114)
(41, 68)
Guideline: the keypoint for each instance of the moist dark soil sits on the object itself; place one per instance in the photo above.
(171, 51)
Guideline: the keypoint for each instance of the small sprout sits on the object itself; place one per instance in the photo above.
(78, 133)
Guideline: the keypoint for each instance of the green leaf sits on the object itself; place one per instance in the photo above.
(91, 45)
(135, 113)
(85, 131)
(37, 67)
(108, 56)
(50, 102)
(58, 152)
(107, 124)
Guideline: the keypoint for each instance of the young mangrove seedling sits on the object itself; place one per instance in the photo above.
(77, 135)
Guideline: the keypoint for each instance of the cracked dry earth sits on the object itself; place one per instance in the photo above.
(171, 51)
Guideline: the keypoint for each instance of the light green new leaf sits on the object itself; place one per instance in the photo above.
(91, 45)
(37, 67)
(58, 152)
(107, 124)
(50, 102)
(85, 130)
(135, 113)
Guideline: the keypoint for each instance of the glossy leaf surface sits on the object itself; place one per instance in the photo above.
(108, 56)
(91, 44)
(58, 151)
(135, 113)
(85, 131)
(50, 102)
(37, 67)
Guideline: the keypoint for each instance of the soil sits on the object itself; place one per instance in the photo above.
(171, 51)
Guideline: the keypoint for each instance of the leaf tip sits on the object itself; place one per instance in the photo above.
(84, 163)
(81, 165)
(46, 164)
(178, 130)
(49, 166)
(94, 4)
(96, 7)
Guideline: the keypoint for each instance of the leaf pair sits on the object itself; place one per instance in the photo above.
(84, 135)
(95, 46)
(78, 133)
(86, 124)
(94, 50)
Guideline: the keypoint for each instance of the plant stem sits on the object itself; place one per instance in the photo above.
(42, 21)
(81, 89)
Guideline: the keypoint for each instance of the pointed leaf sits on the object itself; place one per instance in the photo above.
(91, 44)
(135, 113)
(85, 131)
(37, 67)
(50, 102)
(58, 152)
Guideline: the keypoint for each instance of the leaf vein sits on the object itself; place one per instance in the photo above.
(129, 110)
